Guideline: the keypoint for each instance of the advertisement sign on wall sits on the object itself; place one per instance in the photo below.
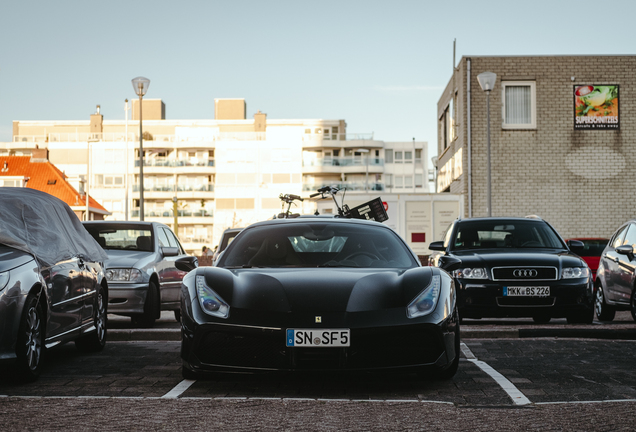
(596, 107)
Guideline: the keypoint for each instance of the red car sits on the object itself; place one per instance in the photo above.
(591, 254)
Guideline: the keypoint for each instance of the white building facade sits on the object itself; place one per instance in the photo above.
(222, 173)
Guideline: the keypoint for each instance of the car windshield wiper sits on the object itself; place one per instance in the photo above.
(335, 264)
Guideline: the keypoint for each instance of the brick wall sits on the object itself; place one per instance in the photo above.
(578, 180)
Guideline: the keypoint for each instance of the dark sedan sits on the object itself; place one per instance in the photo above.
(319, 294)
(140, 268)
(616, 275)
(52, 286)
(515, 267)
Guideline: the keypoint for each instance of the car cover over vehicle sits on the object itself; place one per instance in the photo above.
(40, 227)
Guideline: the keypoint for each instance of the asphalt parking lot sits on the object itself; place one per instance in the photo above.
(589, 381)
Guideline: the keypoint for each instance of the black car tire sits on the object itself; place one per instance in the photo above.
(541, 319)
(604, 312)
(151, 306)
(189, 374)
(177, 315)
(450, 371)
(30, 343)
(95, 341)
(582, 317)
(632, 304)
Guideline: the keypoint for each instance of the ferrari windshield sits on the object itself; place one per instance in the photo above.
(318, 245)
(502, 234)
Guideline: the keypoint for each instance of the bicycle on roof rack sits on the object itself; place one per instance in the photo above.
(370, 210)
(289, 200)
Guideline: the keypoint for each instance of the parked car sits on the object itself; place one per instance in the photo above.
(615, 278)
(516, 267)
(52, 285)
(591, 252)
(140, 268)
(319, 294)
(226, 238)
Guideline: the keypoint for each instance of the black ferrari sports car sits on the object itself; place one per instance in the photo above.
(319, 294)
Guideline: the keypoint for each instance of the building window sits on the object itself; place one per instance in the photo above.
(408, 157)
(398, 157)
(388, 156)
(418, 156)
(519, 105)
(418, 180)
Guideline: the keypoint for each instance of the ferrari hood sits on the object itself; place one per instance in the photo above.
(328, 290)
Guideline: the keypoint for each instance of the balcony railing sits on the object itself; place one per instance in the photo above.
(339, 137)
(166, 162)
(169, 213)
(180, 188)
(350, 186)
(343, 161)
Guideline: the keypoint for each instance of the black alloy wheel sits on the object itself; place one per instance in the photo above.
(605, 312)
(30, 346)
(96, 340)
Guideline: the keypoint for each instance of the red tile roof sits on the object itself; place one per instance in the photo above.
(46, 177)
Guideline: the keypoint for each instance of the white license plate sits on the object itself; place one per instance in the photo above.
(317, 338)
(528, 291)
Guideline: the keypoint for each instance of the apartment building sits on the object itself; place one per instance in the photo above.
(218, 173)
(562, 133)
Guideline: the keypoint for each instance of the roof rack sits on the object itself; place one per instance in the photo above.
(370, 210)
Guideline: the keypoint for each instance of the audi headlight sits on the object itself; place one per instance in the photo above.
(4, 280)
(211, 302)
(575, 272)
(471, 273)
(426, 301)
(124, 275)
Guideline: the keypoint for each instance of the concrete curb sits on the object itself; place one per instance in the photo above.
(174, 334)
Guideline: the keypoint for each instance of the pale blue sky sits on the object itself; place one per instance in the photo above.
(380, 65)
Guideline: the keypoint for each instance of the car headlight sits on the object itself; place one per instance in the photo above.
(575, 272)
(124, 275)
(471, 273)
(426, 301)
(4, 280)
(211, 302)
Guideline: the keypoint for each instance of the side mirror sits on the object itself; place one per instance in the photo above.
(187, 264)
(625, 250)
(576, 245)
(170, 251)
(437, 246)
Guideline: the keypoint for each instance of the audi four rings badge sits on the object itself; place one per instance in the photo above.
(524, 273)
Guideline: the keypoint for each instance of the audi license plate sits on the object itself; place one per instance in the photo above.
(317, 338)
(528, 291)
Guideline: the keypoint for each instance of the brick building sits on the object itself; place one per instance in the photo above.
(563, 139)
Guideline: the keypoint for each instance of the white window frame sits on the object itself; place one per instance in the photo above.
(533, 104)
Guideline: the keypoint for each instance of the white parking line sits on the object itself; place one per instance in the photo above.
(179, 389)
(515, 394)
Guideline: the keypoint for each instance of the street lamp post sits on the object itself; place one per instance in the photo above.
(366, 177)
(487, 82)
(140, 84)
